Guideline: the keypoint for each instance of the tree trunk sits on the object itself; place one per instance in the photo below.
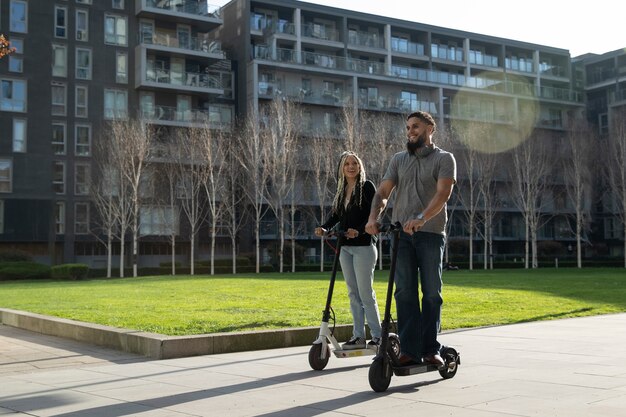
(109, 254)
(173, 254)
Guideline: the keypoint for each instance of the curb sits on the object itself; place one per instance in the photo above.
(158, 346)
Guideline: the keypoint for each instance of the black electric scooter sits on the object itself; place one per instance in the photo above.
(386, 364)
(319, 353)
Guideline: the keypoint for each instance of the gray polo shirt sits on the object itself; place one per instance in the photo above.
(415, 177)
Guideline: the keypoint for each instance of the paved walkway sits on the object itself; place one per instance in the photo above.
(569, 368)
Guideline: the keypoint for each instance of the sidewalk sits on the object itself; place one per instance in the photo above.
(570, 368)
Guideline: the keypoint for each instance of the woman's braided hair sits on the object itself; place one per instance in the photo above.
(338, 200)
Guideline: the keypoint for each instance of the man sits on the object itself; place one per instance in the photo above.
(423, 177)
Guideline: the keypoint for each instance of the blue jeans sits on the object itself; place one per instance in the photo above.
(419, 262)
(357, 265)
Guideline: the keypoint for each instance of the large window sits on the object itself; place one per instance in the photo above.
(83, 64)
(59, 99)
(19, 135)
(59, 217)
(60, 22)
(6, 175)
(58, 138)
(115, 104)
(82, 174)
(158, 221)
(115, 30)
(16, 60)
(83, 140)
(121, 67)
(13, 95)
(19, 16)
(59, 61)
(58, 177)
(82, 25)
(81, 101)
(81, 218)
(118, 4)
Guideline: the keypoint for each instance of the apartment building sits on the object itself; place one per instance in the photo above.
(78, 65)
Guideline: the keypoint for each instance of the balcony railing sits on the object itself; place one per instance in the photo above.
(370, 40)
(190, 44)
(313, 30)
(518, 64)
(194, 7)
(209, 79)
(479, 58)
(559, 94)
(405, 47)
(450, 53)
(554, 70)
(219, 117)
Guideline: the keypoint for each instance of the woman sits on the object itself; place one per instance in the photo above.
(351, 208)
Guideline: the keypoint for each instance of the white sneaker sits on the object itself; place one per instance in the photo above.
(354, 343)
(374, 343)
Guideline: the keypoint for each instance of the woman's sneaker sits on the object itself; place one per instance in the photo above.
(374, 343)
(354, 343)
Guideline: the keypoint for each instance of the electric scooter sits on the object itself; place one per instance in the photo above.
(386, 363)
(319, 354)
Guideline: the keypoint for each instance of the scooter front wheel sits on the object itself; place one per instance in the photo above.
(451, 358)
(380, 374)
(315, 356)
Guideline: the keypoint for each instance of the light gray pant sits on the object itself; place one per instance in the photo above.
(357, 265)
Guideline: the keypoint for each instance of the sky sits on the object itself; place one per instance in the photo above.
(581, 27)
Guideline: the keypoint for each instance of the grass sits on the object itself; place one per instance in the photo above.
(186, 305)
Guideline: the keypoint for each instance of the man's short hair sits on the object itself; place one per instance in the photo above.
(425, 117)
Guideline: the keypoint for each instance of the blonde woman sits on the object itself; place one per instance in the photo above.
(351, 208)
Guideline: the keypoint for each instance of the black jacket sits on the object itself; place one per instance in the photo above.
(355, 217)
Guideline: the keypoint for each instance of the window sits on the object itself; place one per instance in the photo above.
(59, 217)
(115, 30)
(82, 174)
(82, 25)
(83, 140)
(59, 98)
(118, 4)
(6, 175)
(159, 221)
(81, 218)
(58, 177)
(83, 1)
(59, 61)
(16, 61)
(121, 68)
(19, 135)
(13, 95)
(115, 104)
(1, 216)
(81, 100)
(60, 22)
(83, 64)
(19, 13)
(58, 138)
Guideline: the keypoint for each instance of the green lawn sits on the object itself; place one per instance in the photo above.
(187, 305)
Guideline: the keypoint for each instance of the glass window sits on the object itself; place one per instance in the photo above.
(81, 218)
(83, 140)
(60, 22)
(6, 175)
(58, 177)
(59, 98)
(81, 101)
(121, 68)
(59, 217)
(83, 64)
(115, 30)
(82, 25)
(58, 138)
(16, 61)
(13, 95)
(19, 14)
(115, 104)
(83, 1)
(159, 221)
(81, 179)
(19, 135)
(118, 4)
(59, 61)
(1, 216)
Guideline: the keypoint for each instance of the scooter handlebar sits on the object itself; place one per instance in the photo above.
(390, 227)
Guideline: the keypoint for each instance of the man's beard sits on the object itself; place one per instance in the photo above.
(412, 147)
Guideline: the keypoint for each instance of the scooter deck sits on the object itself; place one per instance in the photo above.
(352, 353)
(414, 369)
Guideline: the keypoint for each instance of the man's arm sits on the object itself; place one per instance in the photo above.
(436, 204)
(379, 202)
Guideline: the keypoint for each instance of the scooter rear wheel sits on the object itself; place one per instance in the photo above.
(380, 374)
(451, 358)
(315, 356)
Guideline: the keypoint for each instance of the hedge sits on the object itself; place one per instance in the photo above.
(23, 270)
(69, 271)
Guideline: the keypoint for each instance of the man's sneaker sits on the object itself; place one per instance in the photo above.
(374, 343)
(354, 343)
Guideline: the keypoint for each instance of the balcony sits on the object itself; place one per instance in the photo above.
(193, 12)
(321, 32)
(479, 58)
(215, 117)
(366, 39)
(562, 94)
(402, 46)
(447, 53)
(169, 42)
(207, 82)
(518, 64)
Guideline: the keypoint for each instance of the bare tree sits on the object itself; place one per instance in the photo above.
(529, 177)
(487, 188)
(250, 156)
(577, 176)
(192, 174)
(616, 170)
(169, 169)
(351, 127)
